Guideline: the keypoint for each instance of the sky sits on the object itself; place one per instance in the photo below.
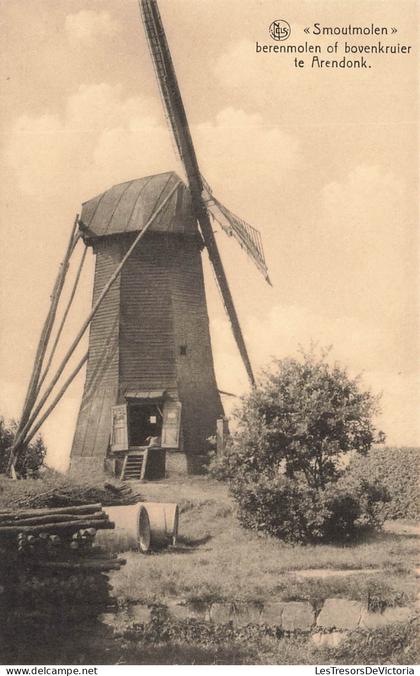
(322, 161)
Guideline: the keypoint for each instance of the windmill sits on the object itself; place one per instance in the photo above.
(150, 380)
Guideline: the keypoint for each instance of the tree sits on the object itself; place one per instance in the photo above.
(305, 416)
(31, 460)
(294, 430)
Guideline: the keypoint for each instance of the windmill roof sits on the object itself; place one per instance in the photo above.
(127, 207)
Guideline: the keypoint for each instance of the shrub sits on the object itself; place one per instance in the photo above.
(398, 469)
(292, 510)
(392, 644)
(28, 463)
(285, 462)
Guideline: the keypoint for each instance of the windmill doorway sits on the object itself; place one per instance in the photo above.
(142, 429)
(144, 422)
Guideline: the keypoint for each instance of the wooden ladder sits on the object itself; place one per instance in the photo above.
(134, 466)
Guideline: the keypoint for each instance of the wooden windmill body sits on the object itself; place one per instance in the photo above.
(149, 349)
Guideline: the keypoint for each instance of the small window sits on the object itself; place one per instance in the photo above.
(153, 419)
(183, 350)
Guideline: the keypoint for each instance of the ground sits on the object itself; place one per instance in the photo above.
(216, 559)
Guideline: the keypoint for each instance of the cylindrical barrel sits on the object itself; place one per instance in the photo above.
(164, 520)
(141, 525)
(132, 529)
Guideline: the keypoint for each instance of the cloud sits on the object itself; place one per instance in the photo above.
(86, 25)
(101, 138)
(240, 147)
(238, 65)
(361, 346)
(364, 232)
(104, 137)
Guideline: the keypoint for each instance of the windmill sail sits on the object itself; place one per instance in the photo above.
(249, 238)
(175, 111)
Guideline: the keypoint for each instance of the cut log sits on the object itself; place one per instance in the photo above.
(50, 518)
(75, 509)
(70, 526)
(82, 565)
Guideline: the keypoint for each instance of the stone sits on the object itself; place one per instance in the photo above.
(272, 613)
(221, 613)
(297, 616)
(328, 572)
(246, 613)
(176, 463)
(199, 610)
(178, 611)
(107, 618)
(331, 640)
(187, 611)
(389, 616)
(140, 614)
(340, 614)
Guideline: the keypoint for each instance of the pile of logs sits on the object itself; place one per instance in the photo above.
(49, 561)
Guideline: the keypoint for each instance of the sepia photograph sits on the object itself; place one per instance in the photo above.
(209, 352)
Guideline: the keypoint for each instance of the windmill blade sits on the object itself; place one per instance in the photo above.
(170, 92)
(249, 238)
(175, 112)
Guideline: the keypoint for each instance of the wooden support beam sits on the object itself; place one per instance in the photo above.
(59, 395)
(46, 331)
(63, 321)
(33, 387)
(21, 437)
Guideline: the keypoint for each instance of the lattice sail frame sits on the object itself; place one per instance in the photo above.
(248, 237)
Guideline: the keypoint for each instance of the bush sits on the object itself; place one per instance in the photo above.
(393, 644)
(286, 461)
(398, 469)
(292, 510)
(28, 463)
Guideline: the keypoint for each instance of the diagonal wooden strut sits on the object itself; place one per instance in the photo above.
(33, 386)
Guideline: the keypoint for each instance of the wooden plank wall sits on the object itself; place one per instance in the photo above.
(101, 387)
(147, 359)
(155, 307)
(201, 404)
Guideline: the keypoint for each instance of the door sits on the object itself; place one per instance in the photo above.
(171, 424)
(119, 433)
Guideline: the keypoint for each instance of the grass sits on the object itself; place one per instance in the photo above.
(218, 560)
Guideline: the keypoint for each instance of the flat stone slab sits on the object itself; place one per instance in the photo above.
(330, 572)
(402, 527)
(178, 611)
(221, 613)
(182, 610)
(330, 640)
(370, 620)
(272, 613)
(340, 614)
(246, 613)
(139, 613)
(297, 616)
